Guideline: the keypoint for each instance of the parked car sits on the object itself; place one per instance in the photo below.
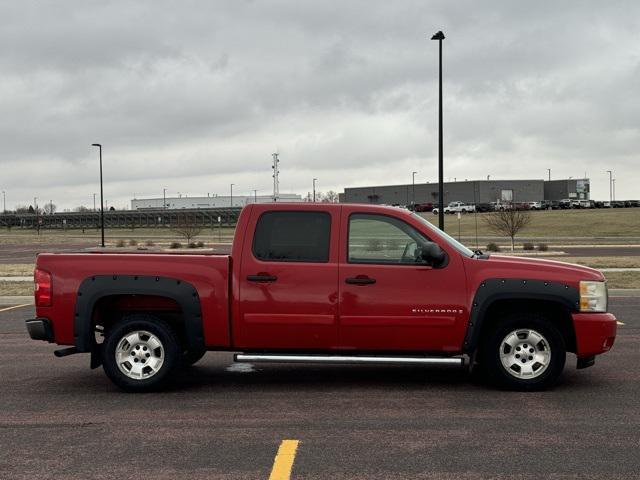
(535, 205)
(617, 204)
(484, 207)
(424, 207)
(456, 207)
(500, 206)
(323, 283)
(565, 204)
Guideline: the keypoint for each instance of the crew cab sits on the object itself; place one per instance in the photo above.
(324, 283)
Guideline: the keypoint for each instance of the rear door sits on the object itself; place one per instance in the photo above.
(388, 300)
(288, 281)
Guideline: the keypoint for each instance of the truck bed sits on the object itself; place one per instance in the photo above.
(207, 273)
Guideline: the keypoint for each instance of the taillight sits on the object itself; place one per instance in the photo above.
(43, 292)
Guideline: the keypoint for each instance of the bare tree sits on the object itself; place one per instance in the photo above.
(330, 197)
(186, 227)
(50, 208)
(508, 222)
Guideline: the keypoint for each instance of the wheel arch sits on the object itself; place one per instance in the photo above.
(497, 297)
(138, 293)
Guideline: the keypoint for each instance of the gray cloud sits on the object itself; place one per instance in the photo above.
(195, 95)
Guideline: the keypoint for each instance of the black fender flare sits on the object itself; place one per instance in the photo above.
(93, 288)
(494, 289)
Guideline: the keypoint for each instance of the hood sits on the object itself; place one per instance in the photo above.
(543, 268)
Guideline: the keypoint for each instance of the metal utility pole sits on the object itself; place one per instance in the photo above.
(232, 194)
(610, 187)
(439, 36)
(164, 198)
(255, 196)
(94, 202)
(314, 189)
(276, 181)
(4, 202)
(101, 194)
(549, 170)
(413, 188)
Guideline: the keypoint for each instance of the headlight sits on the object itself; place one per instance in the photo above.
(593, 296)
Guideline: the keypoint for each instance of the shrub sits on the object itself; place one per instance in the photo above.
(120, 243)
(175, 245)
(543, 247)
(192, 245)
(200, 244)
(133, 242)
(493, 247)
(149, 243)
(527, 246)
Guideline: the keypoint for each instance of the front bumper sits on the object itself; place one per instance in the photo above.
(40, 329)
(595, 333)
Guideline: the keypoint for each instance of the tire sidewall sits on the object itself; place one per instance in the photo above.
(541, 324)
(157, 327)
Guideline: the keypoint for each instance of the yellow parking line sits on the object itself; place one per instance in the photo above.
(14, 307)
(620, 323)
(283, 462)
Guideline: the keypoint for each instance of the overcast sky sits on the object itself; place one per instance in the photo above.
(194, 95)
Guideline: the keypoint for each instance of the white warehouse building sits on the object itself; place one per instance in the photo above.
(212, 201)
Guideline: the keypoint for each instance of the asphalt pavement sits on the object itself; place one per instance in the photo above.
(61, 420)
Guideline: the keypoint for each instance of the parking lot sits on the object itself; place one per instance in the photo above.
(61, 420)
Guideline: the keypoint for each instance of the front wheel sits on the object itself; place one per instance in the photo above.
(525, 352)
(140, 352)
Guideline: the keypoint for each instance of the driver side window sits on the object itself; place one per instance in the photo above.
(377, 238)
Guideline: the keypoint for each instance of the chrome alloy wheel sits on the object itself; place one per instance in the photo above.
(139, 355)
(525, 353)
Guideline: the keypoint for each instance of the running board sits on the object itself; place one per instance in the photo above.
(285, 358)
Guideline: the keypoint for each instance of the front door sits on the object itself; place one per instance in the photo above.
(390, 299)
(288, 285)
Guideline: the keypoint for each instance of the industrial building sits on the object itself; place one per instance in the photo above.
(211, 201)
(472, 191)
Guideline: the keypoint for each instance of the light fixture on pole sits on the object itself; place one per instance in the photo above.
(101, 194)
(439, 36)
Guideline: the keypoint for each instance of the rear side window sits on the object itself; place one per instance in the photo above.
(292, 237)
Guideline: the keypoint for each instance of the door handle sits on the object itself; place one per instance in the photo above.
(360, 280)
(262, 278)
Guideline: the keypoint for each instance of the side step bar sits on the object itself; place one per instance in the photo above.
(286, 358)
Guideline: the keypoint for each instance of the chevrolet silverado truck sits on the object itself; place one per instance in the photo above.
(324, 283)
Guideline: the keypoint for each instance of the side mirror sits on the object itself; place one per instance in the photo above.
(433, 254)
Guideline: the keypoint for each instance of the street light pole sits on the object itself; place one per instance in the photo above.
(164, 198)
(4, 202)
(232, 194)
(610, 187)
(413, 188)
(439, 36)
(314, 189)
(255, 196)
(101, 194)
(549, 170)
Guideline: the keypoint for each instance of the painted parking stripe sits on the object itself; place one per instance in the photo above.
(283, 462)
(14, 307)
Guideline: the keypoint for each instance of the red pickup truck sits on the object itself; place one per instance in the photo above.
(324, 283)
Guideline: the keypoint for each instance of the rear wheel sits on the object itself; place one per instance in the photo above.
(140, 353)
(525, 352)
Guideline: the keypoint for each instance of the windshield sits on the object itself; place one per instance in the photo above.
(452, 241)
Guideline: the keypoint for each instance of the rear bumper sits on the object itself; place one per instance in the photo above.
(40, 329)
(595, 333)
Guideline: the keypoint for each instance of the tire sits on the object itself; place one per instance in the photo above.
(524, 352)
(153, 346)
(191, 357)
